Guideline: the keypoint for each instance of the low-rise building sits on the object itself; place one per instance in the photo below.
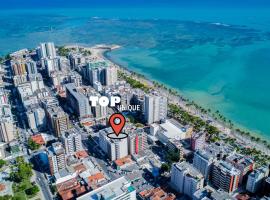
(171, 129)
(123, 162)
(70, 189)
(156, 193)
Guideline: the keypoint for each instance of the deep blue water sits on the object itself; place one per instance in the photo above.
(216, 54)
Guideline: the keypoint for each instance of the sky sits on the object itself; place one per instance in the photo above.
(25, 4)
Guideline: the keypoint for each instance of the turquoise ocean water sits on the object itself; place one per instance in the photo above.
(220, 57)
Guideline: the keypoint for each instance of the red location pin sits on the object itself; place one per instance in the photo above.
(117, 122)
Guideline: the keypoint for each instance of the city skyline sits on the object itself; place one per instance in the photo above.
(131, 100)
(66, 137)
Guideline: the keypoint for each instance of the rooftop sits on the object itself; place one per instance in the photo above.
(192, 171)
(93, 179)
(204, 154)
(38, 139)
(81, 154)
(238, 159)
(227, 168)
(111, 190)
(72, 89)
(123, 161)
(57, 148)
(262, 170)
(69, 189)
(173, 130)
(156, 194)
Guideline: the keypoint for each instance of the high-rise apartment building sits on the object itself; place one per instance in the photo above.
(94, 75)
(36, 118)
(51, 65)
(56, 157)
(115, 148)
(76, 59)
(75, 77)
(31, 67)
(155, 108)
(72, 141)
(266, 187)
(137, 141)
(77, 101)
(36, 81)
(7, 130)
(225, 176)
(110, 75)
(47, 50)
(186, 179)
(243, 163)
(59, 120)
(256, 178)
(99, 112)
(18, 67)
(95, 72)
(203, 162)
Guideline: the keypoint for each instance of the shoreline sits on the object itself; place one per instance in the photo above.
(250, 140)
(100, 52)
(224, 128)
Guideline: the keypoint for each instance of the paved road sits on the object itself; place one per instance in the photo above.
(43, 185)
(42, 182)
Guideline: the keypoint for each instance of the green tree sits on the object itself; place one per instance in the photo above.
(62, 51)
(165, 167)
(2, 163)
(5, 197)
(22, 170)
(33, 145)
(32, 191)
(173, 156)
(212, 130)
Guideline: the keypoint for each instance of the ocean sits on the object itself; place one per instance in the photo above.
(218, 57)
